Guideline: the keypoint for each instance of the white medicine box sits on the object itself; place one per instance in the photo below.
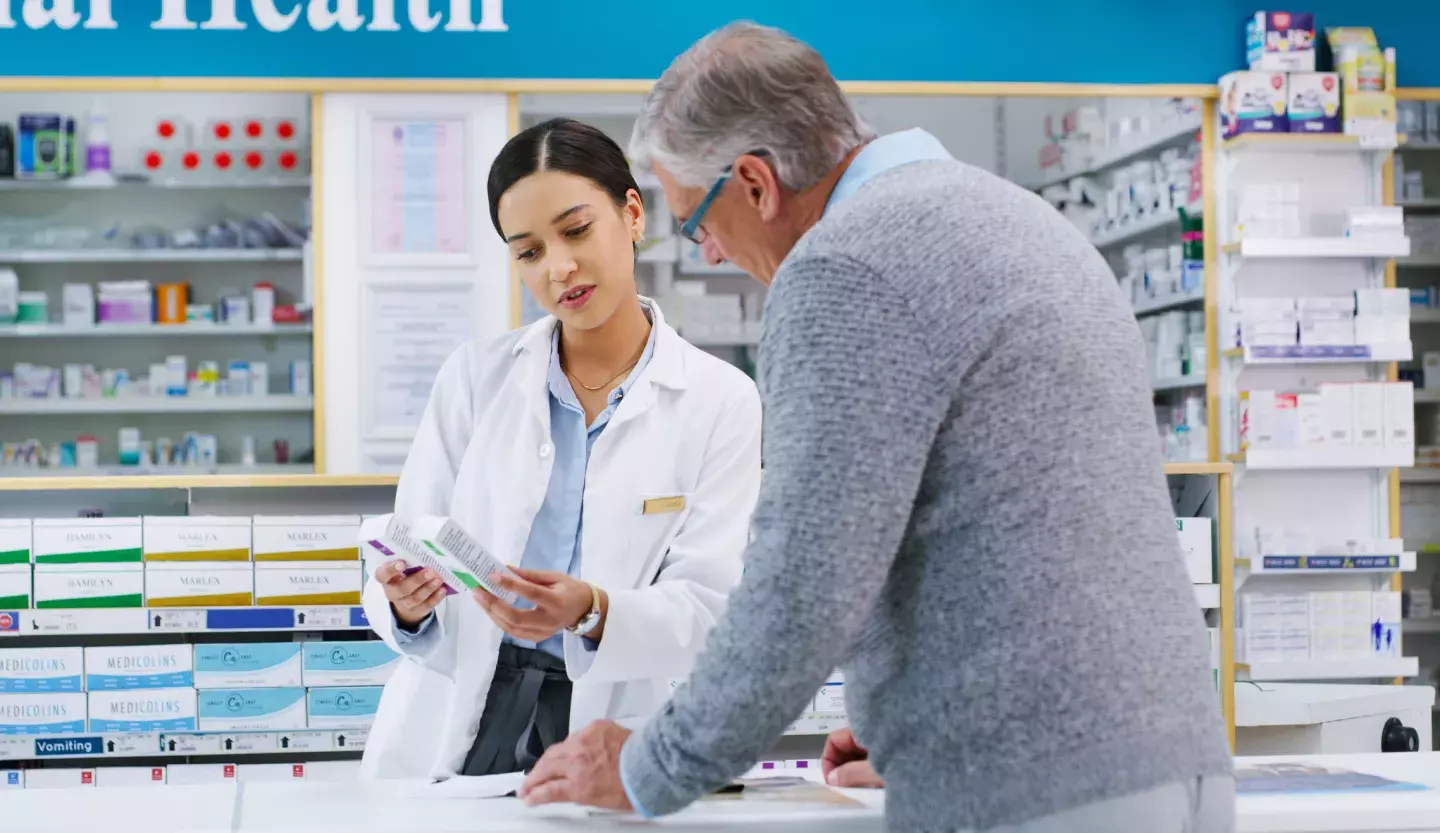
(306, 538)
(195, 538)
(107, 541)
(1197, 544)
(14, 542)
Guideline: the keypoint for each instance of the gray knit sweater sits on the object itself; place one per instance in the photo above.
(964, 509)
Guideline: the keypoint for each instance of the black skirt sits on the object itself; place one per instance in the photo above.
(530, 691)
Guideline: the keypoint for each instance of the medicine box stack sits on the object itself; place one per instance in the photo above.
(1375, 415)
(307, 560)
(1322, 626)
(140, 688)
(88, 562)
(198, 561)
(1369, 317)
(1197, 545)
(14, 563)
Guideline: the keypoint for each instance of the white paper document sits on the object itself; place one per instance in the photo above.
(466, 786)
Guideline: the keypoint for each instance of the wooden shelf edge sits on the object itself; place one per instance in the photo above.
(1199, 468)
(199, 481)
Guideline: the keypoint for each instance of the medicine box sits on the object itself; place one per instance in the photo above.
(154, 710)
(831, 696)
(341, 771)
(41, 669)
(59, 779)
(191, 774)
(89, 585)
(349, 663)
(14, 541)
(15, 587)
(1337, 405)
(449, 538)
(192, 538)
(87, 541)
(285, 583)
(199, 584)
(1253, 102)
(42, 714)
(1198, 549)
(126, 667)
(251, 709)
(248, 665)
(1314, 102)
(351, 707)
(251, 773)
(1369, 414)
(306, 538)
(1280, 41)
(130, 776)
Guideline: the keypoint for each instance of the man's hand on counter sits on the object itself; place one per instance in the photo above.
(846, 763)
(582, 769)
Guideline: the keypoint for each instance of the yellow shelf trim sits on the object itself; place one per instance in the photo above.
(199, 481)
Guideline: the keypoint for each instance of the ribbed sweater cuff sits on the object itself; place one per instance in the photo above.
(650, 791)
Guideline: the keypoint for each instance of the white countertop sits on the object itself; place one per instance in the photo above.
(381, 807)
(1302, 704)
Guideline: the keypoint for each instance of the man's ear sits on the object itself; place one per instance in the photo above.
(761, 186)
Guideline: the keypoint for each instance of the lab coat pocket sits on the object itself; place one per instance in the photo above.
(658, 519)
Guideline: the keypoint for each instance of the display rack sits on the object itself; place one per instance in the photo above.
(1336, 493)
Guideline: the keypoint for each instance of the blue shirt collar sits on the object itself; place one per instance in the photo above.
(560, 385)
(882, 154)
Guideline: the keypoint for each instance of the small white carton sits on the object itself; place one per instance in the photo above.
(15, 587)
(248, 665)
(199, 584)
(42, 714)
(59, 779)
(1196, 543)
(1337, 403)
(106, 541)
(130, 776)
(14, 542)
(366, 663)
(252, 773)
(306, 538)
(288, 583)
(128, 667)
(41, 669)
(191, 774)
(1369, 414)
(151, 710)
(89, 585)
(831, 696)
(1399, 415)
(196, 538)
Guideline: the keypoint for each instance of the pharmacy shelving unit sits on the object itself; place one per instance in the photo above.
(1337, 493)
(88, 229)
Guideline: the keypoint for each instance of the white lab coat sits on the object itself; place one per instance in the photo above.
(689, 427)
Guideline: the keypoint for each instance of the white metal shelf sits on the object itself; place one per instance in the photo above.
(1338, 354)
(1320, 247)
(1347, 669)
(177, 744)
(98, 622)
(1194, 380)
(1137, 228)
(1175, 135)
(1290, 565)
(149, 255)
(1301, 459)
(137, 330)
(1298, 143)
(266, 469)
(158, 405)
(86, 183)
(1165, 304)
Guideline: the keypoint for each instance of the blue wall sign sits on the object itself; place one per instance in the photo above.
(1117, 41)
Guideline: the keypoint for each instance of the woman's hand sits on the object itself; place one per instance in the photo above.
(847, 763)
(412, 598)
(559, 600)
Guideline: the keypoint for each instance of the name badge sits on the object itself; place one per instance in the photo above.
(661, 505)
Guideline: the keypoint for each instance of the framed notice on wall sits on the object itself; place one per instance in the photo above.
(411, 329)
(415, 190)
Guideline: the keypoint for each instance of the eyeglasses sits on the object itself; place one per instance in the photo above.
(691, 229)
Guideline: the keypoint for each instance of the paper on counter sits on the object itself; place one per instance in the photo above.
(465, 786)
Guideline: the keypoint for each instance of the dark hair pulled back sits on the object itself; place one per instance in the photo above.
(560, 145)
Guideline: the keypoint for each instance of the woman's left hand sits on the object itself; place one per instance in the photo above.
(560, 602)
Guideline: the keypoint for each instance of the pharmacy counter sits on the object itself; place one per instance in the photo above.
(1356, 812)
(1326, 719)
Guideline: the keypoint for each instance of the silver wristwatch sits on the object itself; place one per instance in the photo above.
(588, 622)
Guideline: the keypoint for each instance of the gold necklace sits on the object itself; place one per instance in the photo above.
(612, 379)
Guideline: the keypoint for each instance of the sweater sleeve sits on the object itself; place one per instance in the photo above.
(852, 408)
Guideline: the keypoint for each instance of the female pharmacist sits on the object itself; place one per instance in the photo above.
(616, 464)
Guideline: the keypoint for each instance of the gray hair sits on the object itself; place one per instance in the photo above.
(742, 89)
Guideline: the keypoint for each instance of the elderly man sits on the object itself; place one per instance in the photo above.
(963, 505)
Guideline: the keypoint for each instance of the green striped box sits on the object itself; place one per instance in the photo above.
(89, 586)
(14, 541)
(87, 541)
(14, 586)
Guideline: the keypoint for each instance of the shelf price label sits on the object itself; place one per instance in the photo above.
(250, 742)
(177, 620)
(351, 738)
(322, 618)
(15, 747)
(306, 741)
(190, 744)
(130, 744)
(1375, 134)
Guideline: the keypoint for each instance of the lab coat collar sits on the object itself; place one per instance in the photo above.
(666, 368)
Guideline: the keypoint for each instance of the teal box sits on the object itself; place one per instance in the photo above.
(351, 707)
(349, 663)
(248, 665)
(252, 709)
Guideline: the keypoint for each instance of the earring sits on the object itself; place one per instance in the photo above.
(639, 238)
